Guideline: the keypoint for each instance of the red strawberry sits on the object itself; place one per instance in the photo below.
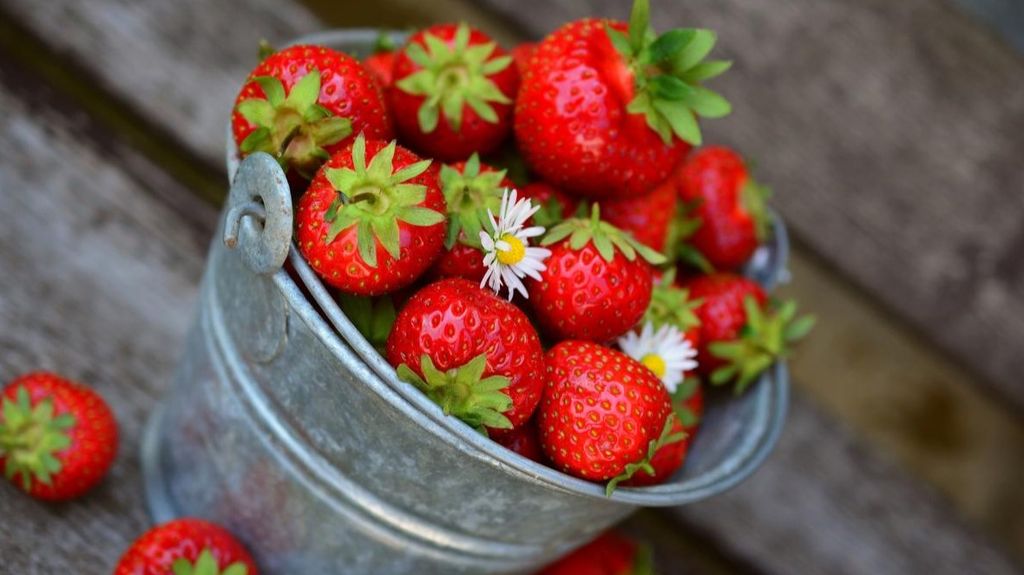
(729, 204)
(555, 205)
(453, 91)
(524, 440)
(470, 188)
(647, 217)
(474, 354)
(688, 403)
(604, 414)
(588, 122)
(595, 287)
(521, 54)
(372, 220)
(609, 554)
(381, 62)
(58, 438)
(301, 117)
(186, 547)
(741, 335)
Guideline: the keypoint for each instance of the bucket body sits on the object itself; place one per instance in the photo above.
(285, 426)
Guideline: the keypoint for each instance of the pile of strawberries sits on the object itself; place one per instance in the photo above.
(529, 237)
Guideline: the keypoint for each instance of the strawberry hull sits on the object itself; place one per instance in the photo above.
(281, 409)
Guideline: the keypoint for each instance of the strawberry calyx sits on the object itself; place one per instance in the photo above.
(684, 391)
(452, 77)
(765, 337)
(293, 128)
(469, 194)
(668, 73)
(643, 561)
(383, 44)
(464, 392)
(672, 305)
(754, 199)
(681, 228)
(30, 438)
(376, 198)
(667, 437)
(206, 564)
(605, 237)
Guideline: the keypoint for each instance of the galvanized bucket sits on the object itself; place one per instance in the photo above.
(286, 426)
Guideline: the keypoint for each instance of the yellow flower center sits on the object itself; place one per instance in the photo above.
(515, 253)
(654, 363)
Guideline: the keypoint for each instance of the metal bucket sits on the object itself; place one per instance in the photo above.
(287, 427)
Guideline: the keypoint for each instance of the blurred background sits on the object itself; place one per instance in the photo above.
(892, 135)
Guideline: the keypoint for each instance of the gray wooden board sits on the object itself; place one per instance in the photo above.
(102, 252)
(890, 130)
(891, 134)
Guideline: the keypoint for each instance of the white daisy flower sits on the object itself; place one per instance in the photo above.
(508, 255)
(666, 352)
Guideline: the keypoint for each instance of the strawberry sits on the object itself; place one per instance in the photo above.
(186, 547)
(453, 91)
(524, 440)
(729, 204)
(521, 55)
(688, 404)
(303, 104)
(604, 414)
(471, 352)
(555, 204)
(608, 109)
(372, 227)
(470, 188)
(58, 438)
(595, 287)
(741, 334)
(609, 554)
(647, 217)
(382, 61)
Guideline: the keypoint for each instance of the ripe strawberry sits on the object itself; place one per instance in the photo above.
(382, 61)
(647, 217)
(470, 188)
(741, 334)
(304, 103)
(608, 110)
(459, 74)
(595, 287)
(603, 414)
(521, 54)
(58, 438)
(524, 440)
(729, 204)
(609, 554)
(555, 204)
(688, 404)
(372, 227)
(186, 547)
(471, 352)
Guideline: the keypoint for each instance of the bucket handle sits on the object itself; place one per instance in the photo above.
(260, 194)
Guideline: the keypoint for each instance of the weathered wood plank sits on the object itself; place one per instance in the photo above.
(890, 131)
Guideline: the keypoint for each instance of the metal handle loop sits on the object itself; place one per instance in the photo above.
(259, 214)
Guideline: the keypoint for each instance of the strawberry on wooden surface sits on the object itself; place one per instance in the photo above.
(304, 103)
(604, 414)
(729, 205)
(186, 547)
(472, 353)
(373, 218)
(470, 188)
(58, 438)
(598, 281)
(609, 554)
(453, 92)
(741, 334)
(608, 109)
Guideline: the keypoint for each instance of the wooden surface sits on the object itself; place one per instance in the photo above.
(117, 303)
